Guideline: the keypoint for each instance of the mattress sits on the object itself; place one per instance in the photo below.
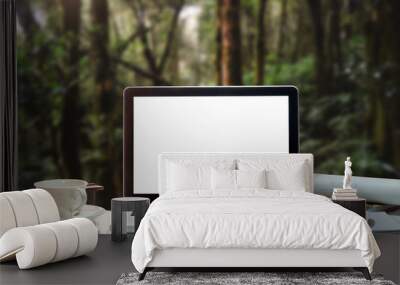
(250, 219)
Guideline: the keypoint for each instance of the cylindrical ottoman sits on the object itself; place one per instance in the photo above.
(40, 244)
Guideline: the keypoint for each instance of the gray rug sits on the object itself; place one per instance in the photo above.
(228, 278)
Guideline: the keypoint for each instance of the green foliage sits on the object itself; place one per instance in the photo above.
(299, 73)
(354, 118)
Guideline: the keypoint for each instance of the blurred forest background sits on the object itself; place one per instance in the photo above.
(76, 56)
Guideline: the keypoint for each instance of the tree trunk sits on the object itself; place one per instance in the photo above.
(249, 37)
(231, 45)
(335, 47)
(261, 50)
(350, 9)
(218, 40)
(70, 122)
(103, 71)
(322, 82)
(299, 33)
(105, 97)
(26, 18)
(376, 116)
(394, 101)
(383, 61)
(156, 69)
(282, 30)
(174, 58)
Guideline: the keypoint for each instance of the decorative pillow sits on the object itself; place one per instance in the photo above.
(282, 174)
(223, 179)
(251, 178)
(181, 177)
(293, 178)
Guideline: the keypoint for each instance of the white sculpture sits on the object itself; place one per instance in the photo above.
(347, 174)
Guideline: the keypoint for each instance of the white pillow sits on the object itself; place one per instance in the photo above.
(184, 177)
(282, 174)
(251, 178)
(293, 178)
(223, 179)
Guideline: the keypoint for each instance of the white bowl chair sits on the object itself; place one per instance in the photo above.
(31, 230)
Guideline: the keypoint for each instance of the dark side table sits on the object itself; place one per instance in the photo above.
(357, 205)
(91, 191)
(135, 206)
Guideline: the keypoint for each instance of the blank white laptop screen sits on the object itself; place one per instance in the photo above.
(204, 124)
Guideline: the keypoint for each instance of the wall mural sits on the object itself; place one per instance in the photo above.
(76, 56)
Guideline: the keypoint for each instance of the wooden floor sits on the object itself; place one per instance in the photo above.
(103, 266)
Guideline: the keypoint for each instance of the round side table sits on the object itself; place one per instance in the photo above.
(136, 206)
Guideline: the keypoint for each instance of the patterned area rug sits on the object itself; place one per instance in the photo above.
(229, 278)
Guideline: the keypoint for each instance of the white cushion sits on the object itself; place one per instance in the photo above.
(26, 208)
(251, 178)
(91, 212)
(40, 244)
(32, 246)
(191, 161)
(23, 208)
(87, 235)
(67, 240)
(103, 223)
(223, 179)
(7, 218)
(99, 216)
(244, 161)
(185, 177)
(282, 174)
(45, 205)
(288, 177)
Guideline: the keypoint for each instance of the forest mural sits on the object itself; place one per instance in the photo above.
(76, 56)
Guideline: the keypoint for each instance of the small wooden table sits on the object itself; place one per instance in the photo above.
(357, 205)
(136, 205)
(91, 190)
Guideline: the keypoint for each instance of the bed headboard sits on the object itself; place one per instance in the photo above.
(203, 119)
(233, 159)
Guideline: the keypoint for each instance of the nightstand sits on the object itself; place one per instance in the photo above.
(123, 207)
(358, 205)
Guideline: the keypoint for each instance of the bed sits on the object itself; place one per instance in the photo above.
(246, 210)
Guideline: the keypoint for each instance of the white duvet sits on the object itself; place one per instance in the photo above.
(250, 218)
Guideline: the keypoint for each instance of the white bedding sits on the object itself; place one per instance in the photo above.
(250, 218)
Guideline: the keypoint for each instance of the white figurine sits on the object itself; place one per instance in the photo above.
(347, 174)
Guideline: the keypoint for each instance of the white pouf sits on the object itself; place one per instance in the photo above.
(31, 232)
(37, 245)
